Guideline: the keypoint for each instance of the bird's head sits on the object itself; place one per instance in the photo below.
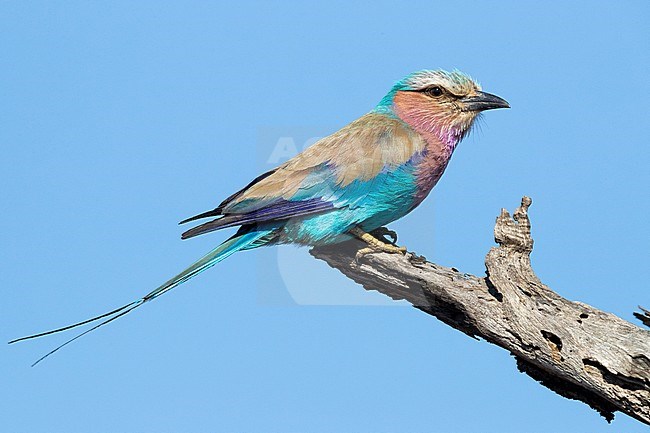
(439, 102)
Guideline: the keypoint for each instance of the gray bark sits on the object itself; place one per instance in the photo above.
(572, 348)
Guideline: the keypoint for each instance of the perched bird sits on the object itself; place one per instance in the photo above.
(350, 184)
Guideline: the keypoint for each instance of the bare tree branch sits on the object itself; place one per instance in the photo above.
(572, 348)
(643, 316)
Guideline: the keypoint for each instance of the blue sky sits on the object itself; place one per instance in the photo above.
(119, 119)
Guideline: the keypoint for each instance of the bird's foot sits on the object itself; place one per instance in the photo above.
(384, 248)
(383, 232)
(376, 245)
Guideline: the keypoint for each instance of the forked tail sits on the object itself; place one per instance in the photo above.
(240, 241)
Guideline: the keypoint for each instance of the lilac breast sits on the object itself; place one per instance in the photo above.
(432, 162)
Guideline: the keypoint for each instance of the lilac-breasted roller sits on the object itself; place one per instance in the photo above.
(369, 173)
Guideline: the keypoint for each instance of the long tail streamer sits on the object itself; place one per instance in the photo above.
(226, 249)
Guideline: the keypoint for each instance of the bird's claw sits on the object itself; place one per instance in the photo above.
(382, 232)
(375, 244)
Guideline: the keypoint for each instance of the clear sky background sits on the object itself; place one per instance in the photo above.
(118, 119)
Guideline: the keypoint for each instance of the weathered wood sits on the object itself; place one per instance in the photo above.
(572, 348)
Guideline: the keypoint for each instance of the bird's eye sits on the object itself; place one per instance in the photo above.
(434, 91)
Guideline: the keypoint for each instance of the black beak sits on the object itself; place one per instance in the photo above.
(484, 101)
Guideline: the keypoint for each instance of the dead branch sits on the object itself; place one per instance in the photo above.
(572, 348)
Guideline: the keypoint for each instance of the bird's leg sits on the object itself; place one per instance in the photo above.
(375, 245)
